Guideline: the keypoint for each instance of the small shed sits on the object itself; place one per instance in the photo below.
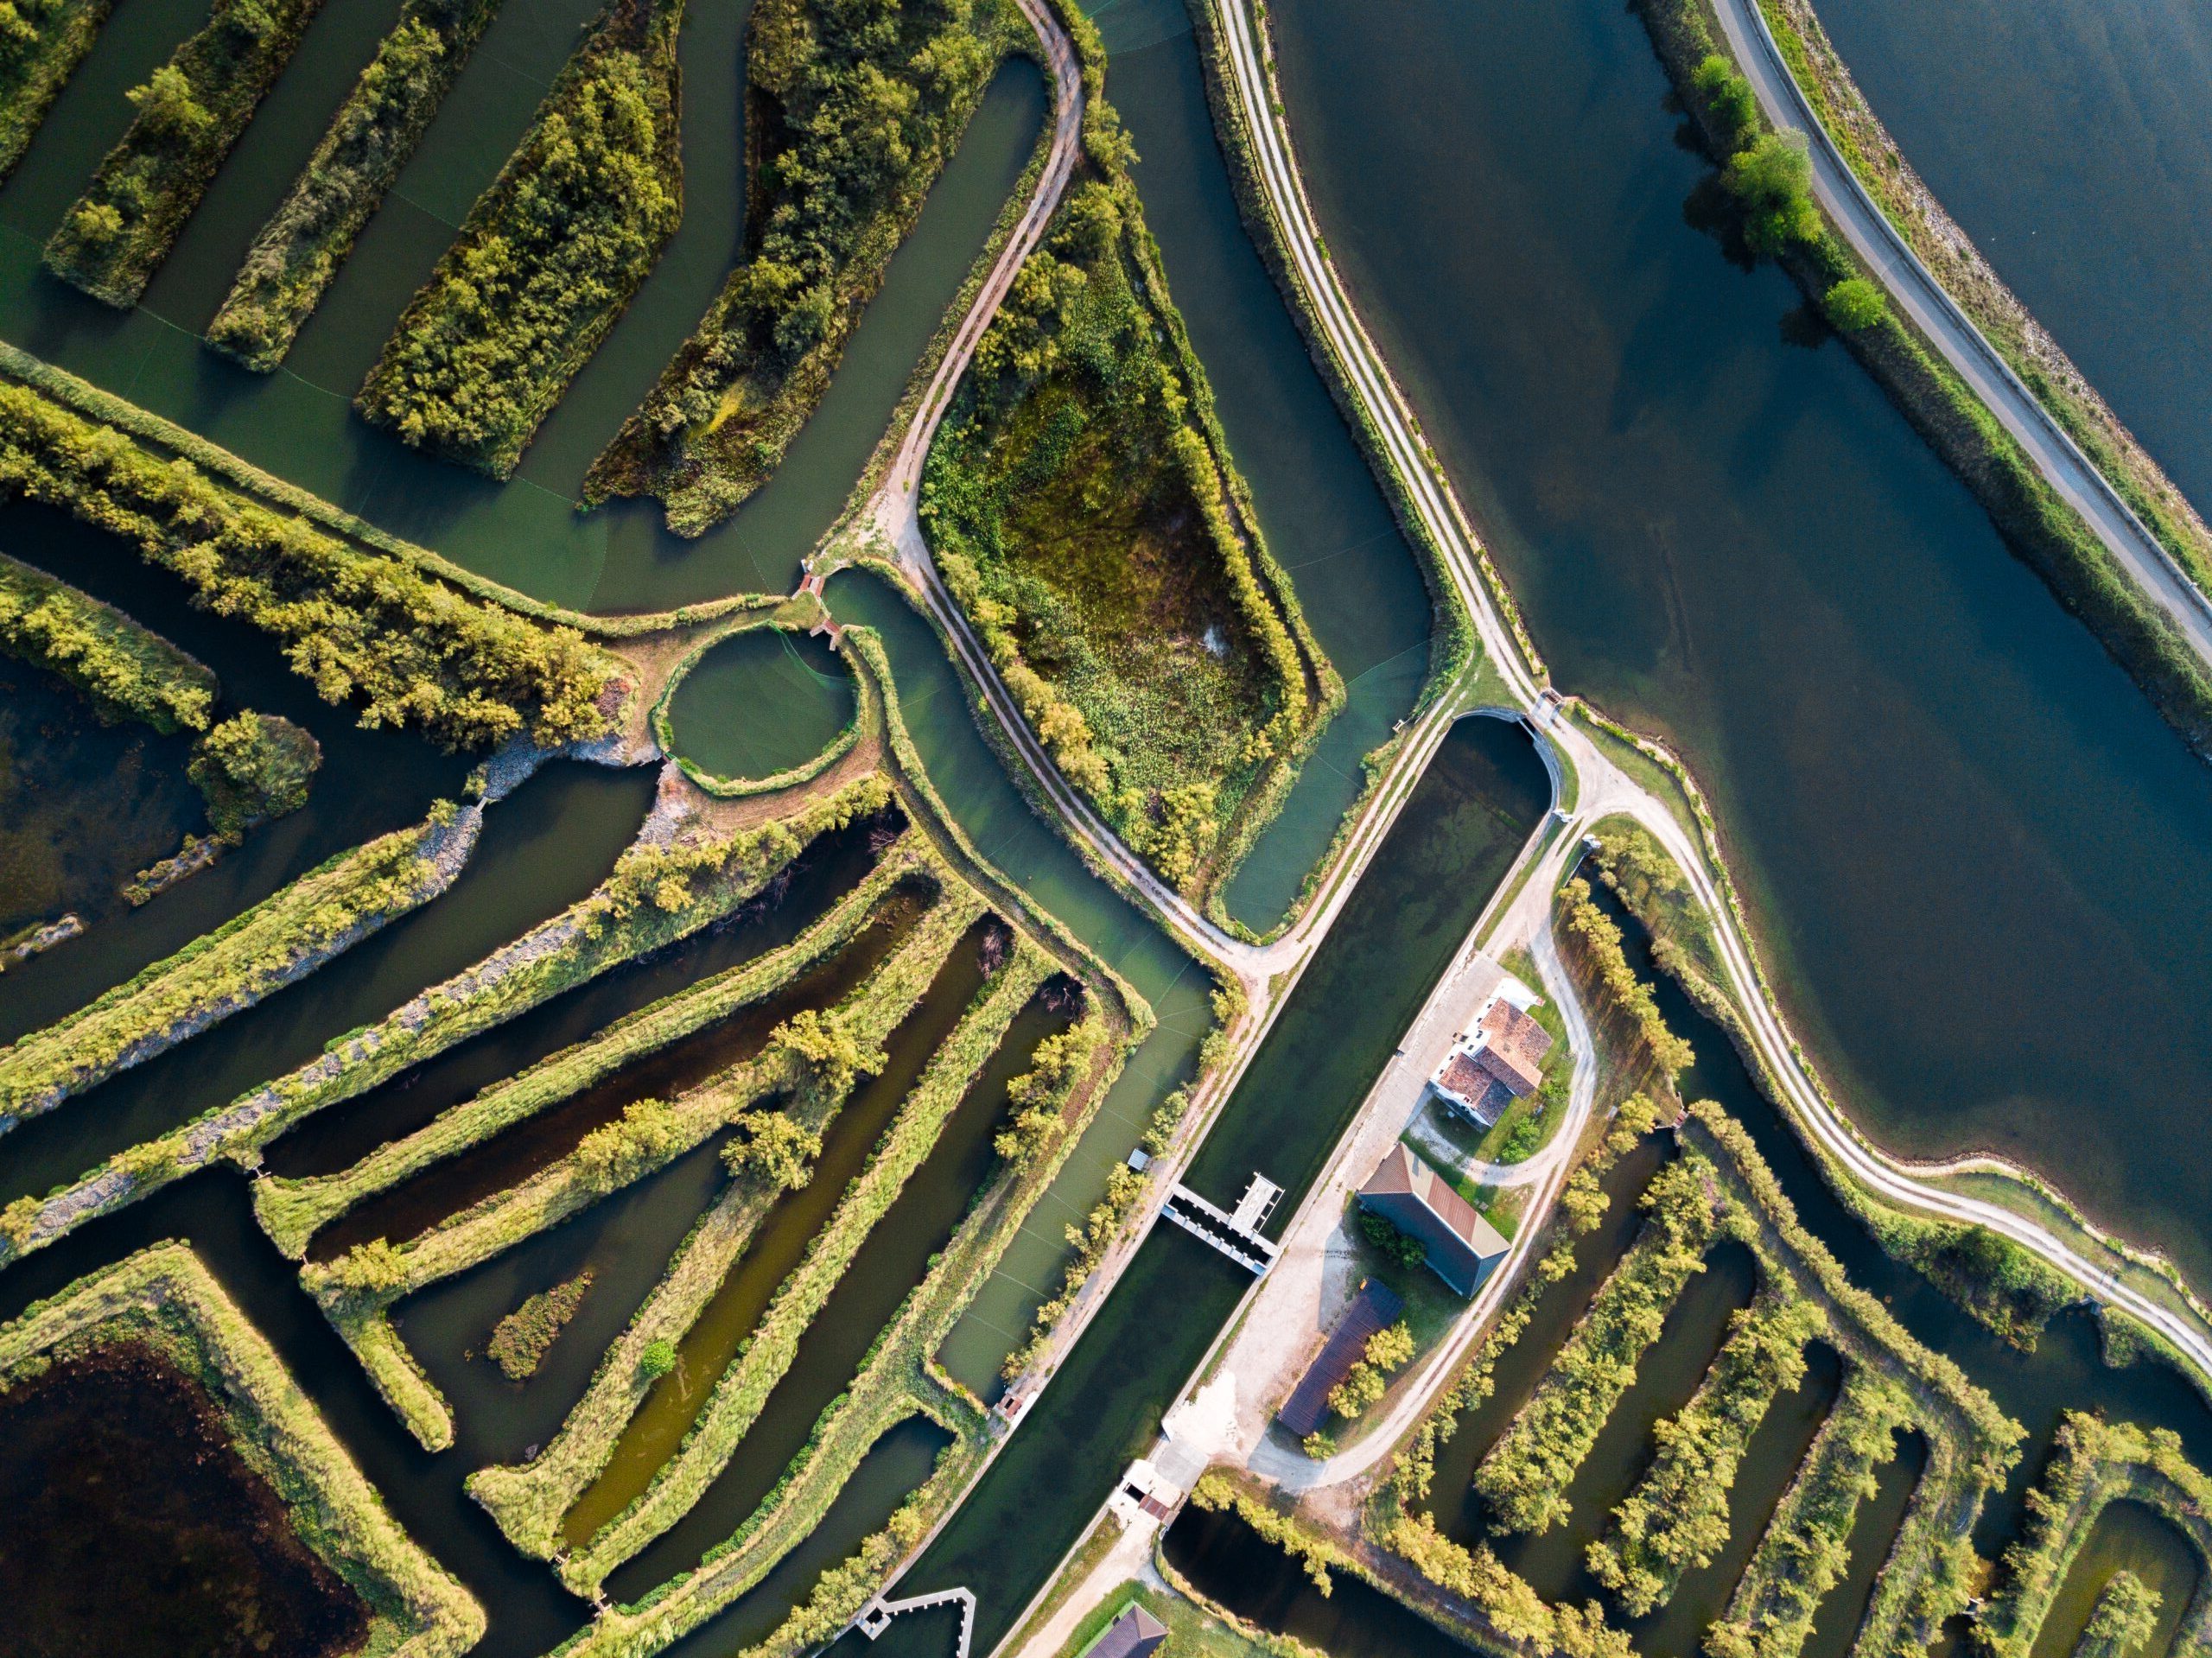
(1376, 1307)
(1135, 1634)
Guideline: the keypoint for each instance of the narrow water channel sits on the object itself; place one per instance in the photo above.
(541, 849)
(338, 1138)
(884, 1270)
(298, 422)
(2130, 1535)
(1319, 505)
(2068, 141)
(1964, 836)
(785, 1239)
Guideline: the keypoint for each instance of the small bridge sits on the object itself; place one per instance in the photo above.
(875, 1616)
(1236, 1233)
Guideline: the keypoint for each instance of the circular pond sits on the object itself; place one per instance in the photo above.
(760, 703)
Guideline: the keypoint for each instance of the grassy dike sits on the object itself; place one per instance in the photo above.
(832, 93)
(296, 254)
(356, 1290)
(190, 112)
(656, 894)
(52, 39)
(2038, 524)
(739, 1396)
(164, 1297)
(366, 627)
(291, 1210)
(2094, 1465)
(1970, 280)
(548, 257)
(1085, 393)
(280, 939)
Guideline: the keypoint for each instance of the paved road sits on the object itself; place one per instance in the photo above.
(1604, 787)
(1916, 290)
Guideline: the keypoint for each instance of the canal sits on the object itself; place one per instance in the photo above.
(1964, 837)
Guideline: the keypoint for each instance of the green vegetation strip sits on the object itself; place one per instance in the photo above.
(357, 625)
(126, 671)
(656, 894)
(42, 43)
(817, 1056)
(1808, 1543)
(191, 111)
(519, 1341)
(297, 253)
(164, 1297)
(285, 936)
(1677, 1515)
(855, 109)
(742, 1390)
(293, 1210)
(1522, 1480)
(529, 1501)
(1082, 505)
(900, 1375)
(550, 255)
(2123, 1620)
(2094, 1465)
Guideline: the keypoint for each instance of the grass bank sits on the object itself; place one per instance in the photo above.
(296, 254)
(548, 257)
(164, 1298)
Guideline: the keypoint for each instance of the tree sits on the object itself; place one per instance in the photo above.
(1729, 96)
(774, 1150)
(366, 1269)
(831, 1056)
(166, 104)
(1396, 1245)
(658, 1359)
(253, 767)
(1852, 304)
(1391, 1348)
(1773, 179)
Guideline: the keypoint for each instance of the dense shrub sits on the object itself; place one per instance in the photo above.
(42, 43)
(1395, 1244)
(125, 671)
(190, 112)
(359, 625)
(1852, 304)
(1523, 1478)
(298, 252)
(253, 767)
(852, 108)
(548, 256)
(519, 1341)
(2011, 1290)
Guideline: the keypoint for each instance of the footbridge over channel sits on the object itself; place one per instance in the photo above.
(1236, 1233)
(875, 1616)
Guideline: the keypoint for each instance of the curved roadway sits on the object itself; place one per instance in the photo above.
(1940, 318)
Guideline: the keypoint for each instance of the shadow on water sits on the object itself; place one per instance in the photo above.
(370, 782)
(540, 850)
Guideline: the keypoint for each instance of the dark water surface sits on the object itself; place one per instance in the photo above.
(760, 703)
(1971, 848)
(2069, 140)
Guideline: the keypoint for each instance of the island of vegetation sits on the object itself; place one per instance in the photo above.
(191, 111)
(42, 43)
(548, 257)
(852, 110)
(297, 253)
(1079, 502)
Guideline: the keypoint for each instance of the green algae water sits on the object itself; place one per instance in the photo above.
(2068, 139)
(1965, 838)
(298, 424)
(1325, 518)
(760, 703)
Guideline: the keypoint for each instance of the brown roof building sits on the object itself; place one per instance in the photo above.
(1502, 1059)
(1462, 1247)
